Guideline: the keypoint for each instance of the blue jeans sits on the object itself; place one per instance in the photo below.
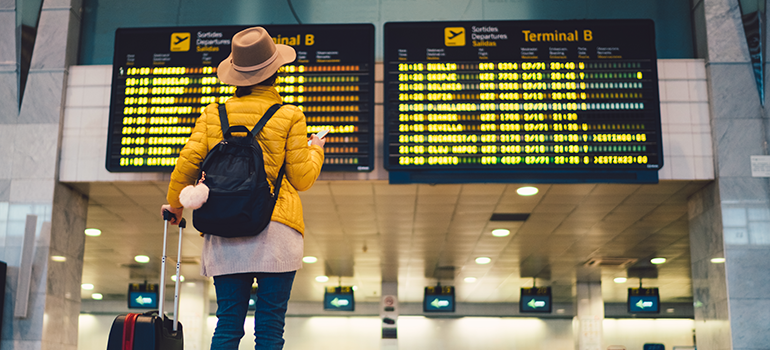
(233, 303)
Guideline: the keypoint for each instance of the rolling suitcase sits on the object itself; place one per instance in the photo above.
(152, 330)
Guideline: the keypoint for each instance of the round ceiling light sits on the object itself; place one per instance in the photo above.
(620, 280)
(310, 259)
(717, 260)
(483, 260)
(501, 232)
(527, 191)
(143, 259)
(658, 261)
(322, 279)
(470, 279)
(93, 232)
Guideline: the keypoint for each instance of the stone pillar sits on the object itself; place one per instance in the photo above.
(730, 218)
(590, 314)
(389, 311)
(193, 313)
(47, 314)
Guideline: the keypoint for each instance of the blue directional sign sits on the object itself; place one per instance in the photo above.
(142, 296)
(439, 299)
(535, 300)
(339, 299)
(643, 300)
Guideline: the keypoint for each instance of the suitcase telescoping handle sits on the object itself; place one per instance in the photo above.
(167, 216)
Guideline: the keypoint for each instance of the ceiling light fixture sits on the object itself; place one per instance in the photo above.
(97, 296)
(310, 259)
(322, 279)
(93, 232)
(87, 286)
(658, 261)
(717, 260)
(142, 259)
(501, 232)
(470, 279)
(58, 258)
(483, 260)
(181, 278)
(620, 280)
(527, 191)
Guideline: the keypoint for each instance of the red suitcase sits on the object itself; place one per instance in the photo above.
(152, 330)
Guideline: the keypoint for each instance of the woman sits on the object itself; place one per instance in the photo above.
(274, 255)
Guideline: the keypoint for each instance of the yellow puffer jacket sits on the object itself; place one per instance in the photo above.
(283, 139)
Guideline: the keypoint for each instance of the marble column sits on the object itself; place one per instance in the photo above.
(193, 313)
(590, 314)
(730, 218)
(389, 310)
(29, 152)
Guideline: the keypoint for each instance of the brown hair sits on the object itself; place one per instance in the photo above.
(241, 91)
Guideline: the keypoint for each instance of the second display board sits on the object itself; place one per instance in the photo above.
(164, 77)
(522, 101)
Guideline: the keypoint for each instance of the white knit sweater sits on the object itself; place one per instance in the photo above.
(278, 248)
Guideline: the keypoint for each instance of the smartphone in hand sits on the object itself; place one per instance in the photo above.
(321, 134)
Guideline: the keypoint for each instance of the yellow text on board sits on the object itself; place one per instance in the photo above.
(557, 36)
(295, 40)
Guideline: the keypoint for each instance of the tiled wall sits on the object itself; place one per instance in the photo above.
(687, 145)
(684, 114)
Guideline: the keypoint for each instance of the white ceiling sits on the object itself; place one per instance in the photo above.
(373, 231)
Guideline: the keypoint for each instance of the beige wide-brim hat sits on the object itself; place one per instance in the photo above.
(254, 58)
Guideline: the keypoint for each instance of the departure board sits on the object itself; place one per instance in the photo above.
(163, 78)
(522, 101)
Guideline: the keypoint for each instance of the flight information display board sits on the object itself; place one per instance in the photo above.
(522, 101)
(164, 77)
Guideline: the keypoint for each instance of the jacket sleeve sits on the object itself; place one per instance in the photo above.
(303, 163)
(187, 169)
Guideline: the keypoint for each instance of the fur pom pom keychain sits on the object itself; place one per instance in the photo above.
(193, 197)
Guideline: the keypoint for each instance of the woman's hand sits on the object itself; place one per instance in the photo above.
(315, 140)
(177, 212)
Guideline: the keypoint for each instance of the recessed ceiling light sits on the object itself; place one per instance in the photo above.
(355, 288)
(527, 191)
(87, 286)
(93, 232)
(501, 232)
(483, 260)
(470, 279)
(310, 259)
(717, 260)
(620, 279)
(97, 296)
(58, 258)
(142, 259)
(181, 278)
(322, 279)
(658, 261)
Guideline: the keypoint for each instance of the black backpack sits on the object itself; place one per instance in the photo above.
(240, 202)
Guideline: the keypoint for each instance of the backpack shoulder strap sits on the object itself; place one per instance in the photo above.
(223, 118)
(265, 118)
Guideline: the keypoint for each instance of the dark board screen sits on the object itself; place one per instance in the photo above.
(515, 101)
(164, 77)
